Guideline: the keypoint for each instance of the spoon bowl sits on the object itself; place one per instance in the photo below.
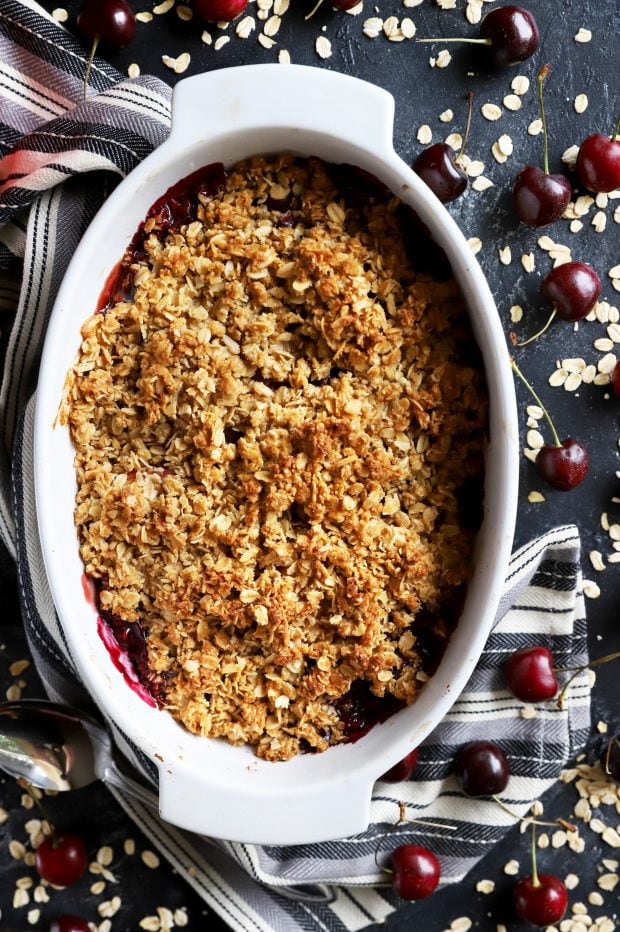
(56, 747)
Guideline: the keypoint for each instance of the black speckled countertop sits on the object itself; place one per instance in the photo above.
(590, 412)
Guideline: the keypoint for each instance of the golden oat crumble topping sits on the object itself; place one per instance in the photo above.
(270, 437)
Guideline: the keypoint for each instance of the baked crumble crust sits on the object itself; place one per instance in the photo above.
(270, 439)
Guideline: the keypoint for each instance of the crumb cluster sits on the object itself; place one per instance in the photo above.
(273, 434)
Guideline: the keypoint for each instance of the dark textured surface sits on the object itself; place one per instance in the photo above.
(590, 414)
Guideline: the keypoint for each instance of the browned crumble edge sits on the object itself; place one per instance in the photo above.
(270, 437)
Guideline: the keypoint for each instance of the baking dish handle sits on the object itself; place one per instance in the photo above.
(287, 811)
(292, 97)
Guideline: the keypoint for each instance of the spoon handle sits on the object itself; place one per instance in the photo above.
(113, 776)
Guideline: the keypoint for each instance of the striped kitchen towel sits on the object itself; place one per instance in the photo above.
(60, 157)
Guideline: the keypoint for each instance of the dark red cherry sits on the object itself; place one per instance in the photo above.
(540, 198)
(219, 11)
(513, 34)
(542, 904)
(563, 467)
(482, 769)
(416, 872)
(110, 21)
(62, 858)
(598, 163)
(529, 674)
(615, 378)
(611, 758)
(572, 289)
(344, 4)
(437, 168)
(403, 769)
(69, 924)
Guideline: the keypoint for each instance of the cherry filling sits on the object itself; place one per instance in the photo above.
(125, 642)
(360, 709)
(174, 209)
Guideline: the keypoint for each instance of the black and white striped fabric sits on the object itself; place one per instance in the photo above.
(60, 156)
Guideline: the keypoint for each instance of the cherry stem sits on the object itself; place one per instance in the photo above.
(540, 80)
(535, 879)
(608, 754)
(577, 670)
(616, 130)
(530, 819)
(313, 10)
(518, 372)
(470, 108)
(458, 39)
(539, 333)
(402, 808)
(89, 64)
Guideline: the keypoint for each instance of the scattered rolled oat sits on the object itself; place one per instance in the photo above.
(323, 47)
(372, 27)
(596, 559)
(520, 84)
(485, 886)
(425, 134)
(60, 14)
(505, 255)
(535, 127)
(462, 924)
(245, 26)
(443, 59)
(481, 183)
(133, 70)
(528, 261)
(583, 35)
(591, 590)
(150, 859)
(516, 315)
(284, 57)
(535, 497)
(581, 103)
(475, 244)
(511, 868)
(491, 112)
(163, 7)
(446, 116)
(178, 64)
(512, 102)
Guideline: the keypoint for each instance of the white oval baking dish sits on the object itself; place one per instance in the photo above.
(207, 785)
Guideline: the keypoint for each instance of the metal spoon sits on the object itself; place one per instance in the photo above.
(56, 747)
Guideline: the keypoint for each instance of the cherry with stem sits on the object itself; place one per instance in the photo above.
(111, 22)
(562, 464)
(541, 898)
(572, 289)
(415, 871)
(438, 167)
(539, 197)
(509, 34)
(598, 162)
